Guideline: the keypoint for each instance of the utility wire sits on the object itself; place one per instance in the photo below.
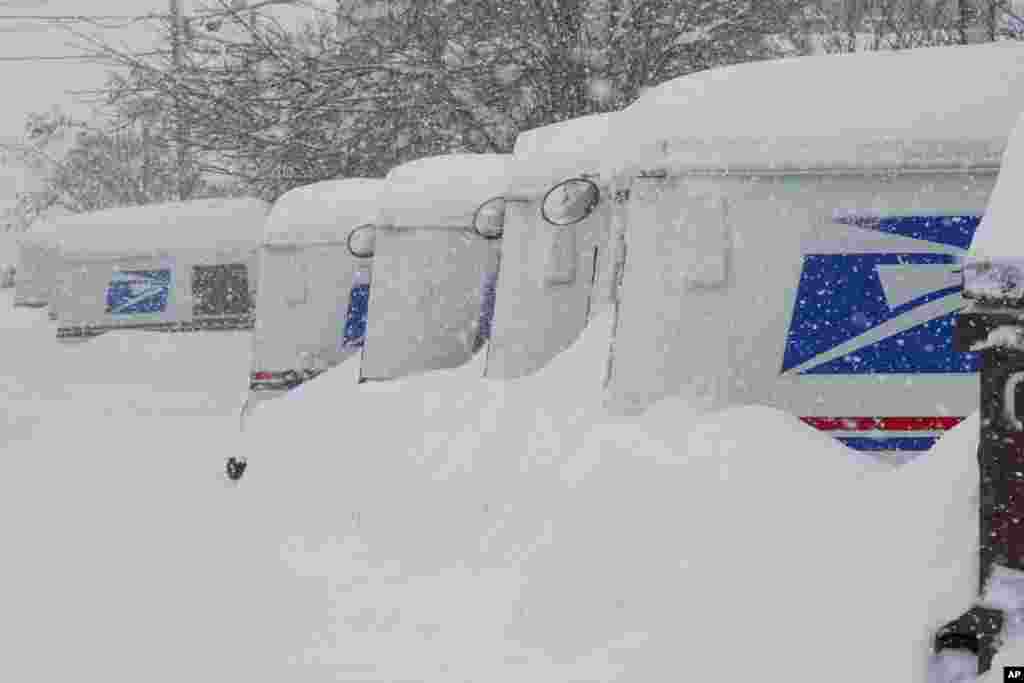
(200, 13)
(81, 57)
(74, 18)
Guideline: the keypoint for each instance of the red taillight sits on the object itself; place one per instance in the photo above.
(262, 376)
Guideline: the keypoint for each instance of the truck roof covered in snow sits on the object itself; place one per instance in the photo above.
(323, 212)
(442, 191)
(216, 224)
(43, 230)
(552, 153)
(929, 107)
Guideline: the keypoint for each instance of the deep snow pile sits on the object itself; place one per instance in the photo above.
(502, 531)
(446, 528)
(116, 541)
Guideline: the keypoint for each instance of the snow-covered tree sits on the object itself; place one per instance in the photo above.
(855, 25)
(360, 91)
(84, 168)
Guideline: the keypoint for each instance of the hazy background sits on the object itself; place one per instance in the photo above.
(35, 85)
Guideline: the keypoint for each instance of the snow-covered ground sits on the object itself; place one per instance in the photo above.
(449, 528)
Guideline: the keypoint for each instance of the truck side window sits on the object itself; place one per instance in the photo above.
(221, 289)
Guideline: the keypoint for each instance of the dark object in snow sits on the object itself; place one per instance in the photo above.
(235, 468)
(976, 635)
(976, 631)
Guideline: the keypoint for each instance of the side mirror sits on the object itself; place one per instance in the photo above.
(489, 219)
(1011, 392)
(361, 241)
(570, 202)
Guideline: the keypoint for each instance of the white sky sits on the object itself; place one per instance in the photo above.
(35, 86)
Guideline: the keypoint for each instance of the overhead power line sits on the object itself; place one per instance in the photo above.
(81, 57)
(199, 13)
(80, 17)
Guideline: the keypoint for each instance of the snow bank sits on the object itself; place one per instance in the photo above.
(485, 531)
(945, 106)
(514, 530)
(117, 542)
(505, 531)
(211, 224)
(323, 212)
(442, 191)
(175, 370)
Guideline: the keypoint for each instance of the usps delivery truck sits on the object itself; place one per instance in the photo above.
(556, 264)
(8, 258)
(434, 276)
(38, 259)
(793, 233)
(180, 266)
(315, 271)
(33, 279)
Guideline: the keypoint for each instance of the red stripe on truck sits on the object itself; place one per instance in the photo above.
(884, 424)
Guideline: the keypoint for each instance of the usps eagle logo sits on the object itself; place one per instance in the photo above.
(138, 291)
(354, 334)
(882, 313)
